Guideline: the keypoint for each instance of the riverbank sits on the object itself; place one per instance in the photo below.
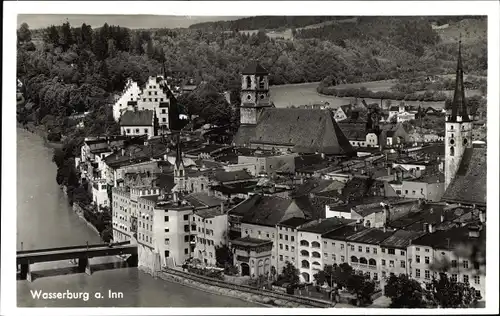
(79, 212)
(41, 132)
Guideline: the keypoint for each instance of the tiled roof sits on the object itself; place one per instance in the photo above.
(254, 68)
(293, 222)
(203, 198)
(249, 241)
(373, 236)
(209, 212)
(401, 239)
(244, 134)
(343, 233)
(449, 239)
(137, 118)
(323, 226)
(262, 210)
(307, 130)
(469, 184)
(353, 131)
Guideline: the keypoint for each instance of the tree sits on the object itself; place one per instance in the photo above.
(289, 274)
(24, 33)
(404, 292)
(223, 256)
(362, 286)
(445, 293)
(107, 234)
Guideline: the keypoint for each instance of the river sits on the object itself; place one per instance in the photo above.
(306, 94)
(45, 219)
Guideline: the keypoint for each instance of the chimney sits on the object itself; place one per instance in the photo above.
(431, 228)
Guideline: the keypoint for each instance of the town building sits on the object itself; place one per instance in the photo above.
(131, 93)
(287, 236)
(136, 123)
(252, 256)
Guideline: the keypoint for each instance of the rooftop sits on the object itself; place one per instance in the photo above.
(202, 199)
(252, 242)
(137, 118)
(209, 212)
(469, 184)
(372, 236)
(293, 222)
(450, 239)
(322, 226)
(401, 239)
(344, 232)
(228, 176)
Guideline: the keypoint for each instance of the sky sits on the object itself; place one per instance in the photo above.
(36, 21)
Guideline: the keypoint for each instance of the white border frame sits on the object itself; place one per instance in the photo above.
(238, 8)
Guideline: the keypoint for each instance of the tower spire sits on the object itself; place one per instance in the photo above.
(178, 155)
(459, 106)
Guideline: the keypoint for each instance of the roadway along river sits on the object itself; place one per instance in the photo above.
(44, 219)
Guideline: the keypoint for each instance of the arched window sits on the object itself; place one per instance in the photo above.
(305, 264)
(452, 151)
(315, 244)
(316, 254)
(372, 262)
(306, 277)
(363, 260)
(354, 259)
(249, 82)
(304, 253)
(261, 82)
(304, 243)
(316, 263)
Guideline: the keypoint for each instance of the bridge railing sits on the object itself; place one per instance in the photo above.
(71, 247)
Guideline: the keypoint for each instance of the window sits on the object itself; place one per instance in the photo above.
(341, 246)
(342, 259)
(477, 279)
(367, 249)
(186, 238)
(478, 294)
(161, 99)
(454, 278)
(186, 228)
(427, 261)
(427, 250)
(325, 254)
(413, 192)
(375, 276)
(137, 130)
(391, 263)
(402, 252)
(417, 273)
(383, 250)
(291, 238)
(128, 130)
(281, 246)
(163, 111)
(383, 274)
(427, 274)
(286, 237)
(417, 259)
(466, 264)
(333, 244)
(156, 100)
(466, 278)
(334, 257)
(391, 251)
(281, 236)
(375, 250)
(150, 94)
(186, 217)
(267, 235)
(352, 247)
(360, 249)
(453, 263)
(383, 262)
(281, 257)
(186, 251)
(406, 191)
(286, 247)
(403, 264)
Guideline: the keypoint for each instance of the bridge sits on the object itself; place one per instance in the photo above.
(81, 253)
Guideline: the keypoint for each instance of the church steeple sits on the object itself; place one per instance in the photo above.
(459, 110)
(178, 153)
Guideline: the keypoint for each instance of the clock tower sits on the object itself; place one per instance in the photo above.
(458, 134)
(254, 93)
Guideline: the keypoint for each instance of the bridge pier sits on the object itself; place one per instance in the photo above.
(133, 260)
(84, 265)
(26, 272)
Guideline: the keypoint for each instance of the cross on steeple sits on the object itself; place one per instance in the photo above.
(459, 106)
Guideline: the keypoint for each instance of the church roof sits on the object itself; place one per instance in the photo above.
(305, 130)
(469, 184)
(137, 118)
(459, 106)
(254, 68)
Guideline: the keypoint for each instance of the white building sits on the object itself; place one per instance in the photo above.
(136, 123)
(131, 93)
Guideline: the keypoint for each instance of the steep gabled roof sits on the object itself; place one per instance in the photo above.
(469, 184)
(307, 130)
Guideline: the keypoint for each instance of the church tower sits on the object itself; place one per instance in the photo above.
(254, 93)
(458, 134)
(179, 168)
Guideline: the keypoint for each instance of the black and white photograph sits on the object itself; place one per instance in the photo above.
(251, 161)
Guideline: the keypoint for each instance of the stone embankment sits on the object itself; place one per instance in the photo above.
(260, 296)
